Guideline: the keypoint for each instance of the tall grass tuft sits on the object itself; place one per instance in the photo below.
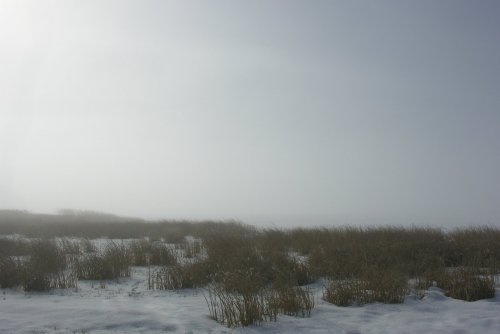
(112, 263)
(46, 268)
(191, 275)
(346, 292)
(240, 299)
(295, 301)
(467, 284)
(10, 273)
(145, 252)
(388, 287)
(241, 309)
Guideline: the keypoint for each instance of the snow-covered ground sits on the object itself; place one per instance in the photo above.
(128, 307)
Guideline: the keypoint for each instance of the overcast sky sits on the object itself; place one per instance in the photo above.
(269, 112)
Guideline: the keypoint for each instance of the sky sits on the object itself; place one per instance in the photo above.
(288, 113)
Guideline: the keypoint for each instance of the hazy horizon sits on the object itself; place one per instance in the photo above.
(287, 113)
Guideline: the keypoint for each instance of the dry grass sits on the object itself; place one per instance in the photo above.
(381, 286)
(467, 284)
(10, 273)
(98, 226)
(14, 247)
(240, 309)
(181, 276)
(191, 248)
(253, 306)
(145, 252)
(46, 268)
(476, 247)
(363, 265)
(295, 301)
(386, 286)
(112, 263)
(345, 292)
(346, 252)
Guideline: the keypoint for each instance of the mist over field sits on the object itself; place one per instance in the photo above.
(249, 166)
(292, 113)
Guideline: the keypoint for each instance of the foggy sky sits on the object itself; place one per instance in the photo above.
(270, 112)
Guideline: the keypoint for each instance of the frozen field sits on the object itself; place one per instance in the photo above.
(128, 307)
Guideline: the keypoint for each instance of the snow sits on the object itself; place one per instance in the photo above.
(128, 307)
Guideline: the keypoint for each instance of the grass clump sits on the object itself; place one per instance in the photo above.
(386, 286)
(241, 299)
(10, 273)
(345, 292)
(241, 309)
(145, 252)
(178, 276)
(253, 306)
(475, 247)
(295, 301)
(467, 284)
(381, 286)
(46, 268)
(112, 263)
(14, 247)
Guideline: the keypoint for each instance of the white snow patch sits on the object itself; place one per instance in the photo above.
(126, 306)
